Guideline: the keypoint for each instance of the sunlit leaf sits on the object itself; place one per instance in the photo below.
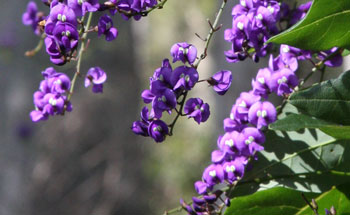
(325, 26)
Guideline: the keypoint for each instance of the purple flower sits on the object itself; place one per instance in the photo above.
(236, 53)
(261, 114)
(48, 104)
(260, 86)
(158, 130)
(283, 82)
(250, 140)
(335, 61)
(67, 36)
(252, 25)
(61, 13)
(213, 174)
(62, 34)
(141, 127)
(287, 52)
(283, 61)
(227, 142)
(80, 7)
(243, 103)
(166, 101)
(32, 17)
(264, 16)
(198, 201)
(211, 198)
(184, 52)
(97, 77)
(187, 207)
(232, 124)
(221, 81)
(218, 156)
(196, 109)
(135, 6)
(54, 51)
(105, 26)
(184, 78)
(163, 76)
(200, 187)
(234, 169)
(162, 99)
(54, 82)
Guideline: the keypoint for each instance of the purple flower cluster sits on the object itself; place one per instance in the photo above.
(50, 99)
(249, 115)
(61, 33)
(280, 76)
(169, 87)
(254, 22)
(221, 81)
(166, 87)
(62, 26)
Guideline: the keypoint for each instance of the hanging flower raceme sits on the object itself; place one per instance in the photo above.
(168, 90)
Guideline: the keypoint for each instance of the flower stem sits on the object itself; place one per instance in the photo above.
(213, 28)
(179, 113)
(80, 56)
(33, 52)
(174, 210)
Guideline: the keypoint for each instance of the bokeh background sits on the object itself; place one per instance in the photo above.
(88, 162)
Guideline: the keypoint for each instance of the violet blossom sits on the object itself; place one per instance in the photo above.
(221, 81)
(95, 76)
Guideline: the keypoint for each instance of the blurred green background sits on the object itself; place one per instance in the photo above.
(89, 162)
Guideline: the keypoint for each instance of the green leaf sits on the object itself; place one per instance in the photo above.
(275, 201)
(329, 101)
(296, 122)
(346, 52)
(325, 26)
(339, 197)
(307, 160)
(338, 132)
(283, 201)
